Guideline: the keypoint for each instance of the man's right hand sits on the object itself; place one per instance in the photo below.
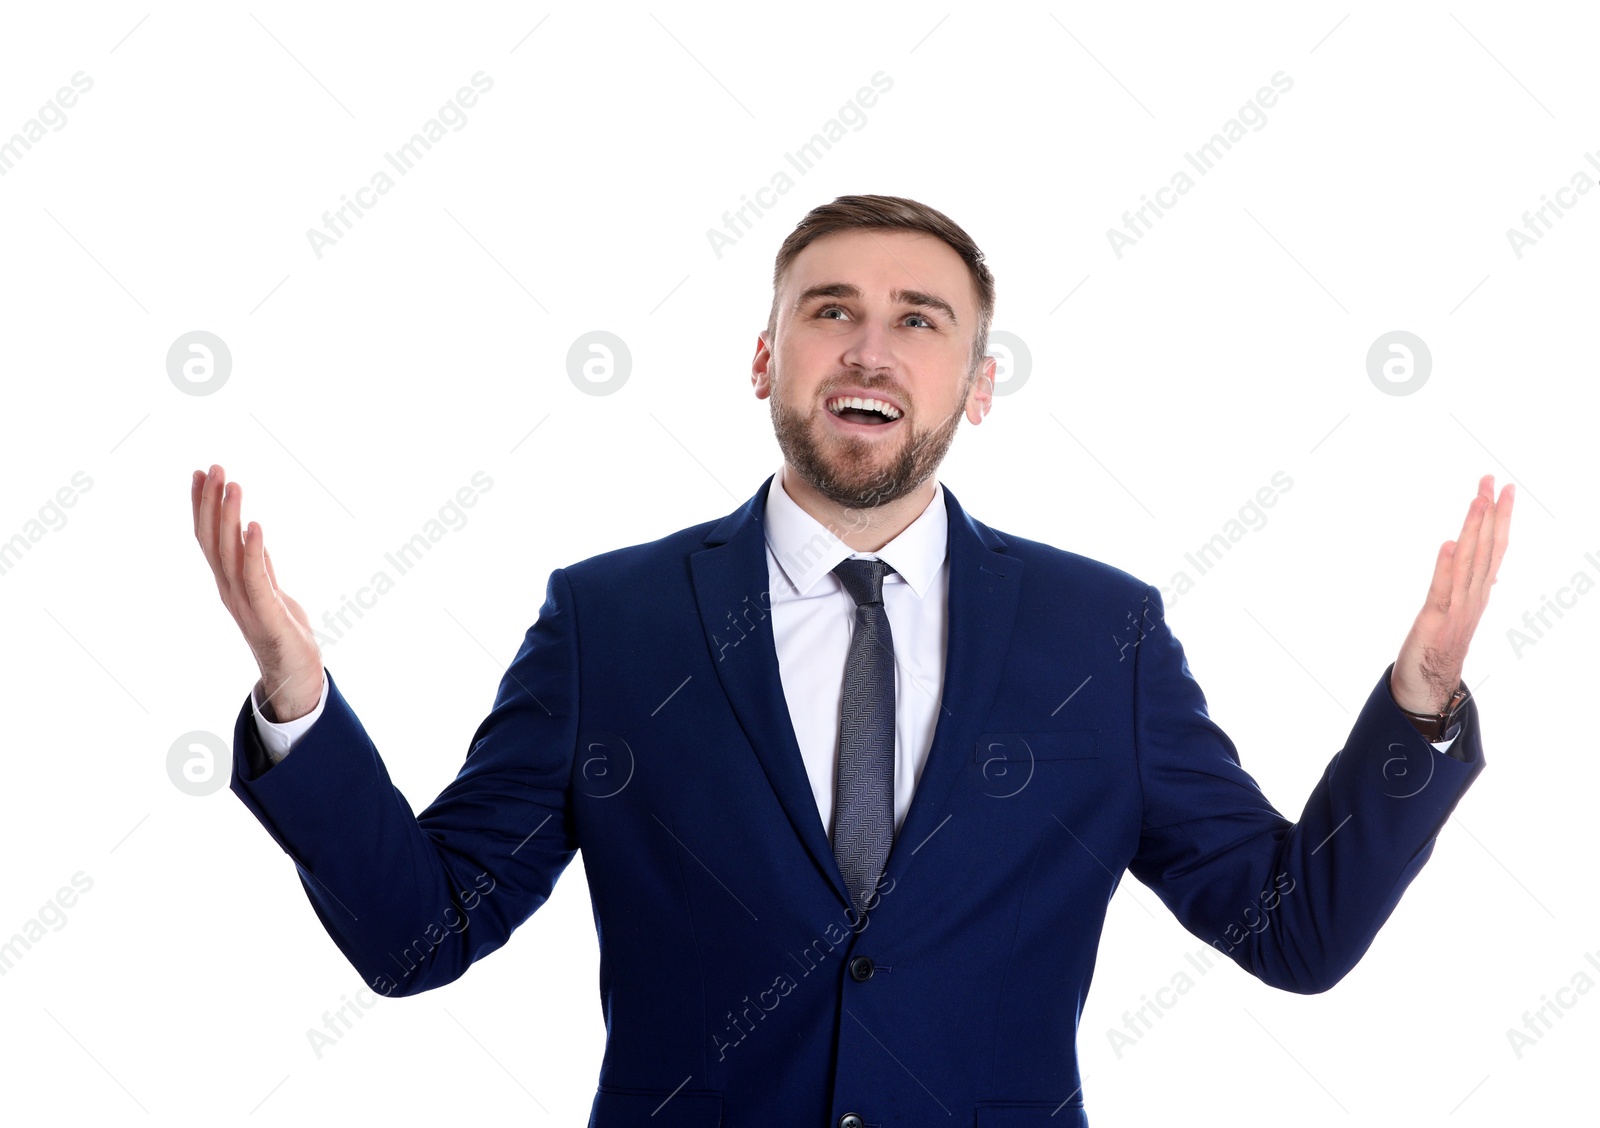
(273, 624)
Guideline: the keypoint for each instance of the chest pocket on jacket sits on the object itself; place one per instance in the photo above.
(1008, 762)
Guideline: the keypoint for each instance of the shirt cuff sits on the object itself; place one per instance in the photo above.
(278, 738)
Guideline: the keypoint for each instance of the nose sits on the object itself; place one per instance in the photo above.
(869, 347)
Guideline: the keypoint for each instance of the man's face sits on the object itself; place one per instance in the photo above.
(872, 313)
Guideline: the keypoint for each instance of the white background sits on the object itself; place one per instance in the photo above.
(1167, 386)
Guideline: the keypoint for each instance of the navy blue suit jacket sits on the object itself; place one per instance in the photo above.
(643, 721)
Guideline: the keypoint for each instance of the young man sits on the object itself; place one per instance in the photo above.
(854, 774)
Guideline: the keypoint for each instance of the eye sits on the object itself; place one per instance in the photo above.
(840, 309)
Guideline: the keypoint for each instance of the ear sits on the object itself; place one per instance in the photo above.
(759, 378)
(981, 398)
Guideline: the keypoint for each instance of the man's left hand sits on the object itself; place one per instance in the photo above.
(1429, 667)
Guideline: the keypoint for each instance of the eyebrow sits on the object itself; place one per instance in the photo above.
(848, 290)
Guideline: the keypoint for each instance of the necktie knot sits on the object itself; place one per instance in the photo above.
(863, 579)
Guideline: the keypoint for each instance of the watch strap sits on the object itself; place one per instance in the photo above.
(1435, 725)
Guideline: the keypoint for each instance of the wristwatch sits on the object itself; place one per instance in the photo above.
(1435, 725)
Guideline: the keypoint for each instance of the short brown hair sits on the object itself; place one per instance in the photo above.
(889, 213)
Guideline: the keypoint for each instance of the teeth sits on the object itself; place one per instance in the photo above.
(860, 403)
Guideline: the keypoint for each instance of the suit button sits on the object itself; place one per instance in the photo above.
(850, 1120)
(861, 969)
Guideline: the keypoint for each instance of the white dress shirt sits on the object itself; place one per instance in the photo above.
(813, 618)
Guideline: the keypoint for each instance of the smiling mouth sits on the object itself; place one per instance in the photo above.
(862, 411)
(869, 417)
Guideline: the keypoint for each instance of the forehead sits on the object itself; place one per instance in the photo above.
(880, 263)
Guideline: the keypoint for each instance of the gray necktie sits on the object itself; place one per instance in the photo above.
(863, 810)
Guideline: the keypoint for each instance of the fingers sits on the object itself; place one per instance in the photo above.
(253, 575)
(197, 485)
(1465, 550)
(197, 494)
(1484, 537)
(1439, 588)
(228, 541)
(1502, 529)
(271, 575)
(1477, 580)
(209, 491)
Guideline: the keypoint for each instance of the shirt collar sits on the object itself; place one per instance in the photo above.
(806, 550)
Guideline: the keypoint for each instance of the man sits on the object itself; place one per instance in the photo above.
(854, 775)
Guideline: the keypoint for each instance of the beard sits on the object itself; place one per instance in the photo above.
(859, 473)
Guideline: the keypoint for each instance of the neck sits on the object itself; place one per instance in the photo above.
(864, 530)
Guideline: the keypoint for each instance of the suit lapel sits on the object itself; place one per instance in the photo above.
(984, 582)
(730, 578)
